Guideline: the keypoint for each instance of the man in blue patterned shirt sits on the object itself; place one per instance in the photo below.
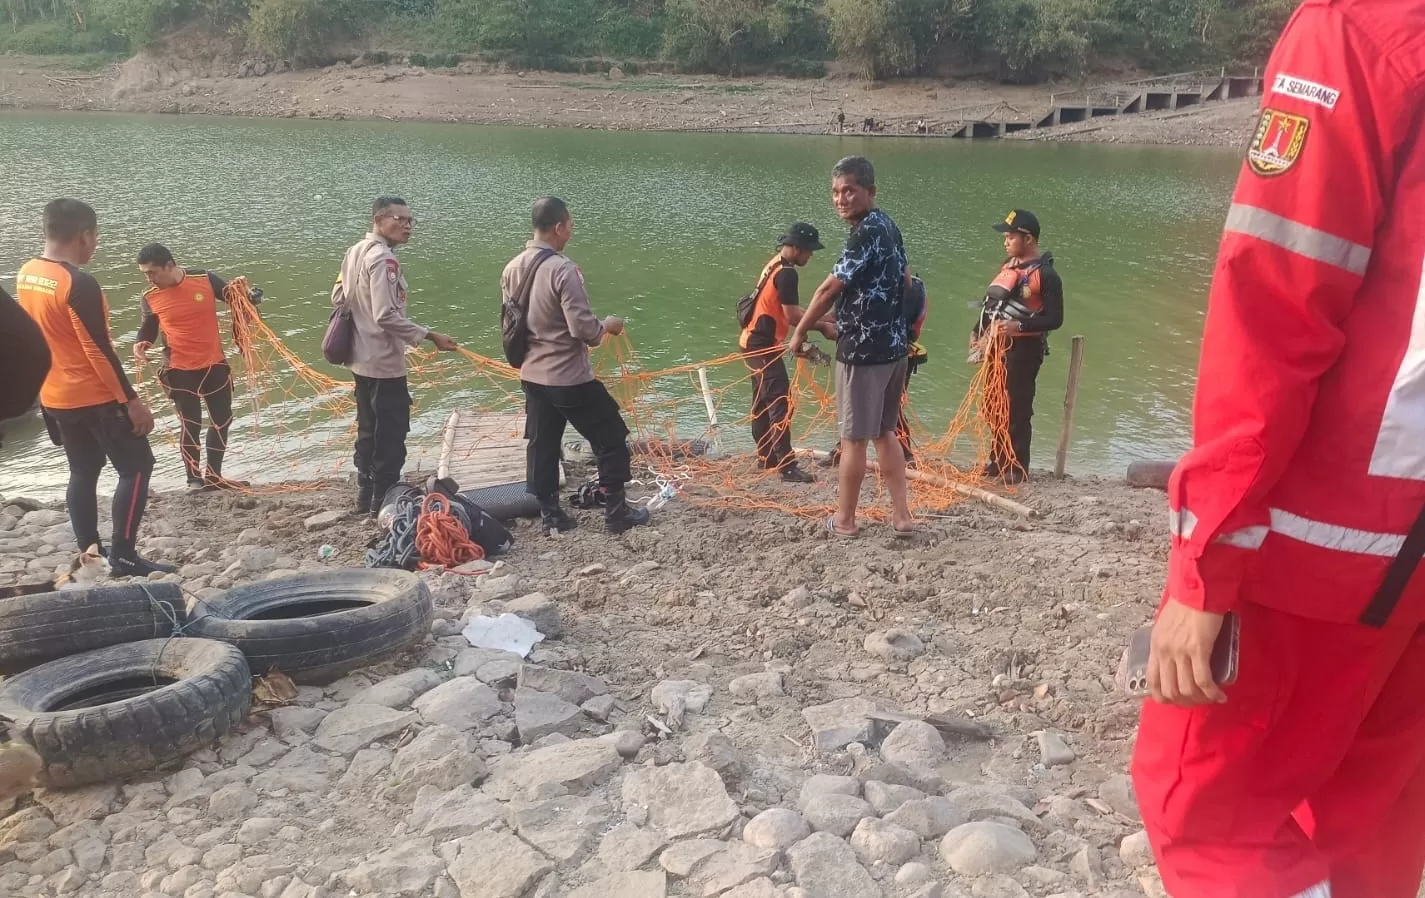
(868, 287)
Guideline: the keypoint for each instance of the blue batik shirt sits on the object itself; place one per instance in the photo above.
(870, 313)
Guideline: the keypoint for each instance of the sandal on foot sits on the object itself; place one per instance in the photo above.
(831, 528)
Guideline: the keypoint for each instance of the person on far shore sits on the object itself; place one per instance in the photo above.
(1024, 303)
(867, 286)
(372, 287)
(182, 303)
(558, 378)
(90, 408)
(776, 307)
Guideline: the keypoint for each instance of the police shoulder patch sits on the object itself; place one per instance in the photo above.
(1277, 143)
(393, 270)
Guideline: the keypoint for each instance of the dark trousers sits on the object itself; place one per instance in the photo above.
(1022, 362)
(771, 411)
(91, 436)
(383, 418)
(594, 413)
(190, 391)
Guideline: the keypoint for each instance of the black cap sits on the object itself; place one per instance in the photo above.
(802, 236)
(1021, 220)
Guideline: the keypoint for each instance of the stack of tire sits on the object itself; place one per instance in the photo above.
(111, 680)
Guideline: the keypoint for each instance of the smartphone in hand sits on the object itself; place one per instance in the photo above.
(1133, 667)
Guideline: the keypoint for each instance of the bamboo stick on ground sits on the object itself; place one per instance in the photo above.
(973, 492)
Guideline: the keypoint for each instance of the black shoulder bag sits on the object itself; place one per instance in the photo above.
(514, 316)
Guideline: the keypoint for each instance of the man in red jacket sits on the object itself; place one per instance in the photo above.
(1299, 508)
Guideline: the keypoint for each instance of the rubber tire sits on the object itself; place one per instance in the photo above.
(321, 647)
(47, 626)
(211, 696)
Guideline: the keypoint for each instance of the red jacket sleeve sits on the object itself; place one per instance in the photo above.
(1319, 176)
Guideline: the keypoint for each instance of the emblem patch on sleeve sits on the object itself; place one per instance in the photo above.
(1278, 142)
(393, 270)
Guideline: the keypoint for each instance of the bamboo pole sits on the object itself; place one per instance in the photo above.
(714, 441)
(973, 492)
(1071, 395)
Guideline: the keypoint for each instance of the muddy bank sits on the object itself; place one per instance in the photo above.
(1011, 624)
(649, 102)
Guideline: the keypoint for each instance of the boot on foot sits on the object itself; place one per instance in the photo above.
(137, 566)
(553, 518)
(619, 516)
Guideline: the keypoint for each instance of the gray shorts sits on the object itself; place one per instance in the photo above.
(868, 399)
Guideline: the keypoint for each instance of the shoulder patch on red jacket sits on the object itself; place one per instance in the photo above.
(1278, 142)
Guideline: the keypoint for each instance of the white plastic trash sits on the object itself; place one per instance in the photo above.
(506, 633)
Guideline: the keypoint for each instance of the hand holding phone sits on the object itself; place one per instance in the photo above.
(1133, 667)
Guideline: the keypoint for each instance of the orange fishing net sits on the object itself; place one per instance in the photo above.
(295, 423)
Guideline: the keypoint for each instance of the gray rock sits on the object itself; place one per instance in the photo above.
(826, 784)
(736, 863)
(407, 869)
(540, 610)
(539, 714)
(775, 829)
(682, 858)
(453, 814)
(929, 818)
(564, 829)
(914, 744)
(752, 687)
(913, 874)
(470, 660)
(826, 867)
(798, 598)
(368, 764)
(231, 801)
(628, 743)
(922, 778)
(500, 674)
(399, 691)
(1134, 851)
(628, 847)
(625, 885)
(757, 888)
(1117, 793)
(575, 688)
(73, 805)
(258, 829)
(1053, 750)
(878, 842)
(837, 814)
(222, 856)
(984, 802)
(681, 799)
(462, 703)
(348, 730)
(89, 855)
(322, 520)
(896, 644)
(600, 707)
(29, 825)
(978, 849)
(837, 724)
(439, 757)
(886, 798)
(557, 770)
(674, 698)
(1043, 877)
(496, 865)
(1087, 865)
(716, 751)
(292, 720)
(493, 589)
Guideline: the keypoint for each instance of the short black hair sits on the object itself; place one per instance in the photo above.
(382, 203)
(155, 254)
(858, 167)
(548, 213)
(65, 219)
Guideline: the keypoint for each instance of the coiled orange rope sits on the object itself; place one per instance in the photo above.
(441, 539)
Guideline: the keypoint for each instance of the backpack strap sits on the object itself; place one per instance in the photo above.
(521, 297)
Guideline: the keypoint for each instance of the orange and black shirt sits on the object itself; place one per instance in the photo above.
(778, 290)
(187, 313)
(73, 315)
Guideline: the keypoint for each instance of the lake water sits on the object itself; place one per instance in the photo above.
(670, 230)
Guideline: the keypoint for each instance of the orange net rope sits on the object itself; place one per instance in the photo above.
(691, 423)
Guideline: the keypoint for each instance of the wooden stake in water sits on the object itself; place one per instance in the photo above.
(714, 442)
(1071, 394)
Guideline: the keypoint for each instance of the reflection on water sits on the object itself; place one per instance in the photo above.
(670, 230)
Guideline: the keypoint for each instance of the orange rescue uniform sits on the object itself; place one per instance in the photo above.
(187, 313)
(73, 314)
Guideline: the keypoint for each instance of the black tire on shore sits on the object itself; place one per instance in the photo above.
(318, 627)
(47, 626)
(126, 708)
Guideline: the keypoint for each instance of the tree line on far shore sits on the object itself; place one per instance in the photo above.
(1014, 40)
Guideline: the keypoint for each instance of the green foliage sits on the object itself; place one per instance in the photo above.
(300, 30)
(58, 38)
(433, 61)
(139, 21)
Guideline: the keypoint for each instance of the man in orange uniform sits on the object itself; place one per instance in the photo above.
(1299, 507)
(776, 309)
(88, 402)
(183, 304)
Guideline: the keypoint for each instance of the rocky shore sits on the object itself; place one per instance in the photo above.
(472, 94)
(727, 704)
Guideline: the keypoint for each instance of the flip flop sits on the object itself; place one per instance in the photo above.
(905, 534)
(831, 528)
